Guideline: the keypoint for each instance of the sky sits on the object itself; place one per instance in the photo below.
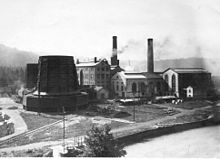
(84, 28)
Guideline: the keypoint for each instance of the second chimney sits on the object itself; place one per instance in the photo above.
(114, 58)
(150, 56)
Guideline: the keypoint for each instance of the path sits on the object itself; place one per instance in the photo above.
(19, 123)
(131, 128)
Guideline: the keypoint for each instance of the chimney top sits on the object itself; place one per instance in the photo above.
(150, 56)
(114, 42)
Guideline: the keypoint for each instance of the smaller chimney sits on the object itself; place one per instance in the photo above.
(114, 58)
(114, 42)
(95, 59)
(150, 56)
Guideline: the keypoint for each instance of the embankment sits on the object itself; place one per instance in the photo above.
(155, 132)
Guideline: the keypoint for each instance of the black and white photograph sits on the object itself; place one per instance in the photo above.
(110, 78)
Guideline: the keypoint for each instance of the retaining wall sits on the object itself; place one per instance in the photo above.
(155, 132)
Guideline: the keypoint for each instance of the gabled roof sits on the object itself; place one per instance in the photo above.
(131, 75)
(90, 64)
(126, 75)
(112, 67)
(188, 70)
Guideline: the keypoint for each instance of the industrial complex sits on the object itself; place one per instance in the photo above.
(57, 82)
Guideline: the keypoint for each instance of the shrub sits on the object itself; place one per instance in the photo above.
(101, 143)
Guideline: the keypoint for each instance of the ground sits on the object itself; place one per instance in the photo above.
(47, 129)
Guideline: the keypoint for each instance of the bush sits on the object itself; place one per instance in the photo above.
(101, 143)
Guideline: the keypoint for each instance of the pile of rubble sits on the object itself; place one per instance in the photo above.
(6, 126)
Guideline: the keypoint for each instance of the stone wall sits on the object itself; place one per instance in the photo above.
(155, 132)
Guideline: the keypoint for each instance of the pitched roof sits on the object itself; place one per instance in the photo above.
(129, 75)
(188, 70)
(90, 64)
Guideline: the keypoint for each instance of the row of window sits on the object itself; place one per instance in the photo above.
(102, 76)
(103, 68)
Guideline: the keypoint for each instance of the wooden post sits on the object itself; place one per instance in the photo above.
(63, 130)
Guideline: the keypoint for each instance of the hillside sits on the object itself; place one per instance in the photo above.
(211, 65)
(14, 57)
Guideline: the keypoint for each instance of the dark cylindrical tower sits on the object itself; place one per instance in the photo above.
(150, 56)
(57, 75)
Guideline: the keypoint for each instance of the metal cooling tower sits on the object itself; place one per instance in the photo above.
(57, 75)
(57, 86)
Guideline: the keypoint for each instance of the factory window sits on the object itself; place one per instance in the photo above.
(117, 87)
(134, 87)
(142, 87)
(122, 88)
(81, 77)
(166, 78)
(159, 88)
(173, 83)
(98, 76)
(103, 76)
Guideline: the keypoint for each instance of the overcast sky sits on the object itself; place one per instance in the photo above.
(180, 28)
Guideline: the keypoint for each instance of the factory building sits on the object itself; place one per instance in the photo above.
(94, 73)
(188, 82)
(128, 85)
(146, 84)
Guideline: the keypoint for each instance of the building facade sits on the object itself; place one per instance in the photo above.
(94, 73)
(131, 85)
(188, 82)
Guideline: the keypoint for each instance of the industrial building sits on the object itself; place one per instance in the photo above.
(146, 84)
(56, 82)
(94, 73)
(188, 82)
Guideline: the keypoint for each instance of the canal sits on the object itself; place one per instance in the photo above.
(202, 142)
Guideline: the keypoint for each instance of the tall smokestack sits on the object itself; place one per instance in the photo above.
(150, 56)
(114, 58)
(114, 42)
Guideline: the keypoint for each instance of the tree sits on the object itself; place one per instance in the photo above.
(101, 143)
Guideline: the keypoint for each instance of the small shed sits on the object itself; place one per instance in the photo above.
(189, 92)
(101, 93)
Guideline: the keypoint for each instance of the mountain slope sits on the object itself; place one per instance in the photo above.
(211, 65)
(13, 57)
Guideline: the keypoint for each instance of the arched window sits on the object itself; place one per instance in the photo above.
(134, 87)
(142, 87)
(166, 78)
(173, 83)
(159, 88)
(81, 77)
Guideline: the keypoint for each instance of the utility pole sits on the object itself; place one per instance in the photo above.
(134, 107)
(63, 129)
